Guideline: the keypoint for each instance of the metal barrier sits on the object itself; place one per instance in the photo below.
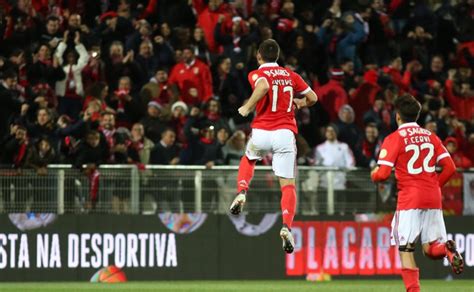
(127, 189)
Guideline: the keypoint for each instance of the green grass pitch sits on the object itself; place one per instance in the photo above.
(246, 286)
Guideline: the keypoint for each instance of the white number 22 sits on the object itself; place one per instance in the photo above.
(416, 154)
(275, 97)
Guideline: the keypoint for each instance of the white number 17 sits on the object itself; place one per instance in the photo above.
(275, 97)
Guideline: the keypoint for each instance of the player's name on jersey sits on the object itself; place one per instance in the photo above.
(276, 72)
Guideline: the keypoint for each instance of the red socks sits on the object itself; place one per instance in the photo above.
(288, 204)
(436, 251)
(411, 279)
(245, 175)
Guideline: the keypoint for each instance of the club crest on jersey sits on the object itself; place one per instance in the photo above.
(403, 133)
(276, 72)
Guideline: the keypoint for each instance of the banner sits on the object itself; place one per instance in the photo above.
(343, 248)
(47, 247)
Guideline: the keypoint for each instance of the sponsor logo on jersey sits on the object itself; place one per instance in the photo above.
(276, 72)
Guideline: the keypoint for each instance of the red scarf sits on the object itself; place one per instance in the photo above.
(94, 177)
(206, 140)
(21, 154)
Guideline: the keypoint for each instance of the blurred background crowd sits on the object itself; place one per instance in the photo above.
(160, 81)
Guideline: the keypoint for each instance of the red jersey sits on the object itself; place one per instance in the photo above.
(414, 152)
(275, 110)
(194, 81)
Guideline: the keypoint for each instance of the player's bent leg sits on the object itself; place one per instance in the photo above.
(245, 175)
(435, 250)
(410, 272)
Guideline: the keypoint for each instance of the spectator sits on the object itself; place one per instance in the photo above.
(140, 147)
(229, 86)
(117, 65)
(234, 148)
(368, 148)
(153, 123)
(51, 34)
(157, 89)
(192, 78)
(179, 111)
(379, 115)
(125, 103)
(202, 145)
(201, 49)
(71, 88)
(10, 104)
(462, 101)
(39, 156)
(347, 129)
(166, 152)
(332, 95)
(44, 126)
(336, 154)
(146, 60)
(460, 160)
(15, 147)
(45, 69)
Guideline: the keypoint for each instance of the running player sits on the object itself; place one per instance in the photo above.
(273, 129)
(415, 152)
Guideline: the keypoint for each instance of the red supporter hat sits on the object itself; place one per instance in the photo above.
(337, 74)
(450, 140)
(371, 76)
(107, 15)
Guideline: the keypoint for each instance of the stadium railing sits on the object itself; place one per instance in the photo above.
(157, 189)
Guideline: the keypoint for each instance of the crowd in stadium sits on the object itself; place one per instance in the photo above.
(160, 81)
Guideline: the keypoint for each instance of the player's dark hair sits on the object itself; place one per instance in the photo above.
(408, 108)
(269, 50)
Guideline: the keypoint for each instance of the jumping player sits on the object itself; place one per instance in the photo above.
(273, 129)
(415, 152)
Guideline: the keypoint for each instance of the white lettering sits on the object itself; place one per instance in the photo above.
(108, 248)
(330, 250)
(24, 255)
(120, 250)
(96, 241)
(73, 251)
(142, 237)
(348, 256)
(171, 255)
(42, 250)
(85, 250)
(12, 238)
(3, 252)
(132, 248)
(55, 258)
(366, 259)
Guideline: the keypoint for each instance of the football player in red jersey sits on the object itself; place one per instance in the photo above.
(274, 127)
(415, 152)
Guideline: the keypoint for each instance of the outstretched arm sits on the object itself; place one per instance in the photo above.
(261, 88)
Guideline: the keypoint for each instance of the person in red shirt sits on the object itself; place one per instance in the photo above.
(460, 160)
(415, 152)
(332, 95)
(273, 130)
(192, 78)
(463, 102)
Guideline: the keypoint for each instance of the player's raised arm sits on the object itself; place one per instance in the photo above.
(261, 89)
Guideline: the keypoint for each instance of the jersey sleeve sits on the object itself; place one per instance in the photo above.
(389, 151)
(256, 76)
(300, 86)
(440, 150)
